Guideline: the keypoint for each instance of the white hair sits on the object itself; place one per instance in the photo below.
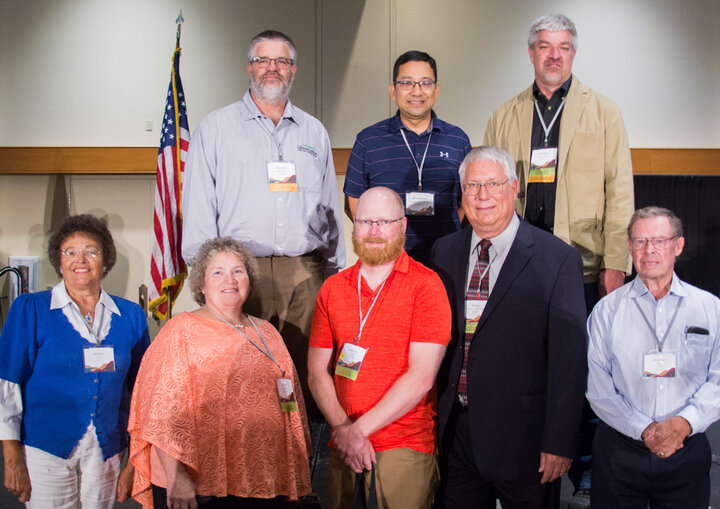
(494, 154)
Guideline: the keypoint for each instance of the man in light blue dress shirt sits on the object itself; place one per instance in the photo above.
(654, 377)
(261, 171)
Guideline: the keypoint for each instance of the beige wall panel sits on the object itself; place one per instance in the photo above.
(25, 211)
(91, 73)
(356, 67)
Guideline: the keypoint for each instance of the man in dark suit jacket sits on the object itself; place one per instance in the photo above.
(512, 381)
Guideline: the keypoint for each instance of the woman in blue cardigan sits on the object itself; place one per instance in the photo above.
(68, 361)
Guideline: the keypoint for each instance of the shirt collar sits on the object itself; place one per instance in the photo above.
(502, 241)
(638, 288)
(250, 110)
(396, 124)
(559, 93)
(60, 298)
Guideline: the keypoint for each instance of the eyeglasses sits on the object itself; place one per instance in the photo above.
(380, 223)
(72, 253)
(409, 84)
(658, 243)
(492, 187)
(280, 62)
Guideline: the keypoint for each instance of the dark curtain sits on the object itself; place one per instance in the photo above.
(695, 200)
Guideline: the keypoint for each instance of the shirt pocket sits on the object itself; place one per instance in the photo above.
(309, 169)
(695, 352)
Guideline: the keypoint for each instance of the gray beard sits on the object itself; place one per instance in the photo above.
(270, 95)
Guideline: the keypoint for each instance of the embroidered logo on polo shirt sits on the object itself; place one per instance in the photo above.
(444, 154)
(308, 149)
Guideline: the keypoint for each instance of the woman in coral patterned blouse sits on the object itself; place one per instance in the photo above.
(217, 416)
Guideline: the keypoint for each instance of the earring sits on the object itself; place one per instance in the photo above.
(104, 269)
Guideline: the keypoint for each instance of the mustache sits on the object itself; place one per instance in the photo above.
(272, 74)
(374, 240)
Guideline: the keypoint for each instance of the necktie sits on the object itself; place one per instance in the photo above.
(478, 289)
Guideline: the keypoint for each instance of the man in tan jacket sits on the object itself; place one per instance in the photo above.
(573, 164)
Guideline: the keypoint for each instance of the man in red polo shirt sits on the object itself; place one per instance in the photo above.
(379, 333)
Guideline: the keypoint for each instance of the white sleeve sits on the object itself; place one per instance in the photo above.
(11, 410)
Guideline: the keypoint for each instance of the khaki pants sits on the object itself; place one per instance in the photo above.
(404, 479)
(285, 296)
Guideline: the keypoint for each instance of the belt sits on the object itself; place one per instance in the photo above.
(315, 254)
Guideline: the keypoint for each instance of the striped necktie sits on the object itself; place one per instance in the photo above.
(477, 290)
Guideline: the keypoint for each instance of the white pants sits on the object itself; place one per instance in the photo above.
(83, 480)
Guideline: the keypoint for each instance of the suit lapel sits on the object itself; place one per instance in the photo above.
(521, 251)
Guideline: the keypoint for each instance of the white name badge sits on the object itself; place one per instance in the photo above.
(282, 176)
(542, 165)
(350, 361)
(286, 394)
(659, 365)
(419, 203)
(473, 311)
(99, 359)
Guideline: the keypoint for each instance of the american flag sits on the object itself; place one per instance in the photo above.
(167, 268)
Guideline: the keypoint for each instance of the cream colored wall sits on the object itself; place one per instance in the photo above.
(91, 72)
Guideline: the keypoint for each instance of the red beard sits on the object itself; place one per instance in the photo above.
(378, 255)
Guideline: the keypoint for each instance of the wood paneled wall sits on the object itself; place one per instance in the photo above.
(143, 160)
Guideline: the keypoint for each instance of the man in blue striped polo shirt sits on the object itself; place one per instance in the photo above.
(414, 153)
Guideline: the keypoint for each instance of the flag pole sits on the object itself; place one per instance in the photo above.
(179, 20)
(168, 290)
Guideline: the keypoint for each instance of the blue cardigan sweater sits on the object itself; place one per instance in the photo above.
(42, 352)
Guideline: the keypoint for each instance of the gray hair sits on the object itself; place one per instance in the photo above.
(272, 35)
(208, 251)
(552, 23)
(494, 154)
(652, 211)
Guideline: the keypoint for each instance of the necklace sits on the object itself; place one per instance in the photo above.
(238, 325)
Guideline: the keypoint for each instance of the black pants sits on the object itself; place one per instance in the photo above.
(463, 486)
(626, 475)
(229, 502)
(582, 462)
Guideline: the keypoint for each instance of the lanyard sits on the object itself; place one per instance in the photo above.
(659, 342)
(422, 163)
(552, 122)
(90, 330)
(364, 319)
(266, 351)
(277, 142)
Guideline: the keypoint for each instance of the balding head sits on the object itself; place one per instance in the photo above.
(378, 200)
